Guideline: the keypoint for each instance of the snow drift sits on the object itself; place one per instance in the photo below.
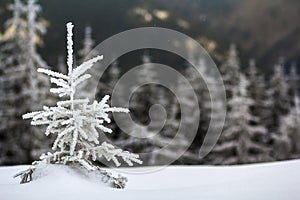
(278, 180)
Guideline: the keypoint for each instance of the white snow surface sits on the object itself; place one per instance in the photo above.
(277, 180)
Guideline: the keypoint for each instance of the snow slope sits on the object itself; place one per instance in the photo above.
(278, 180)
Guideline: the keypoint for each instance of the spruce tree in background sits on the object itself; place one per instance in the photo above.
(290, 132)
(238, 143)
(257, 92)
(88, 44)
(189, 121)
(278, 98)
(146, 96)
(139, 138)
(35, 28)
(231, 71)
(86, 53)
(61, 66)
(286, 143)
(285, 108)
(173, 145)
(21, 85)
(293, 81)
(212, 111)
(199, 85)
(158, 143)
(112, 75)
(10, 51)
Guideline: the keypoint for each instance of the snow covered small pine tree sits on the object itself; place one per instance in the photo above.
(75, 122)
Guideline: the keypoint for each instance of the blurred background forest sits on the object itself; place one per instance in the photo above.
(254, 43)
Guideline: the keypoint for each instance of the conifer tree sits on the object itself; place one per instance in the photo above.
(144, 97)
(76, 122)
(190, 122)
(213, 111)
(139, 137)
(10, 51)
(238, 144)
(231, 71)
(198, 83)
(278, 98)
(293, 81)
(61, 67)
(112, 76)
(34, 28)
(155, 143)
(88, 43)
(171, 145)
(257, 92)
(22, 86)
(287, 143)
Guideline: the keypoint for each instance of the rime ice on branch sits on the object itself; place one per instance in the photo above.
(75, 121)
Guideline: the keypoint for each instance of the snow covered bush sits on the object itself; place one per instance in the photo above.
(76, 122)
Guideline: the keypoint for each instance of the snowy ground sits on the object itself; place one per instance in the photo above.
(280, 180)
